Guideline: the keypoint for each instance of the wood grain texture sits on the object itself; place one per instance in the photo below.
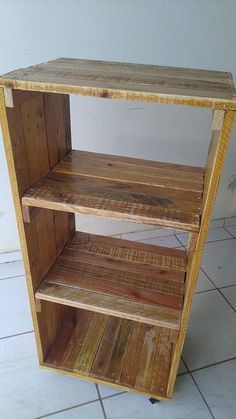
(122, 188)
(137, 82)
(118, 277)
(26, 140)
(112, 350)
(109, 310)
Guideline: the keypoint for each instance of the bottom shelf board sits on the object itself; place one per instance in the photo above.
(130, 355)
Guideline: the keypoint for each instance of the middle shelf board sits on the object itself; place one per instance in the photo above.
(124, 188)
(137, 281)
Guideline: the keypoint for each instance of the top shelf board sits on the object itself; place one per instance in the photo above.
(135, 82)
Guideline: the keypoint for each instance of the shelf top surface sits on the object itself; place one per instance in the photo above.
(141, 282)
(125, 81)
(143, 191)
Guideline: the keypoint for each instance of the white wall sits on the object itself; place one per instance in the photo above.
(188, 33)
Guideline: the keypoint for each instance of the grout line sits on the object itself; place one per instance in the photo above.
(220, 240)
(210, 365)
(201, 292)
(179, 240)
(225, 228)
(66, 409)
(12, 277)
(11, 261)
(114, 395)
(209, 279)
(191, 375)
(227, 286)
(215, 241)
(226, 300)
(219, 289)
(101, 402)
(17, 334)
(196, 384)
(228, 218)
(156, 237)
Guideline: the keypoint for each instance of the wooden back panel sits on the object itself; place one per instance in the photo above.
(36, 132)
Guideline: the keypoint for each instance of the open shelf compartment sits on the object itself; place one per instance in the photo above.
(130, 355)
(137, 281)
(123, 188)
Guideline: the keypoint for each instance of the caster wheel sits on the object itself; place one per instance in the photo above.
(153, 401)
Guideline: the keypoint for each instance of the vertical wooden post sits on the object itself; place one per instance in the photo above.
(221, 129)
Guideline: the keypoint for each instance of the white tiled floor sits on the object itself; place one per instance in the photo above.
(205, 387)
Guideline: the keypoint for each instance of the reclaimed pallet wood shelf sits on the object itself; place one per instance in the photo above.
(111, 350)
(124, 188)
(105, 309)
(119, 277)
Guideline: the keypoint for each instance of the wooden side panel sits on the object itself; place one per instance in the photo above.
(28, 138)
(221, 129)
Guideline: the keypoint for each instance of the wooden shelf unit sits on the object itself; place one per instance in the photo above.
(106, 309)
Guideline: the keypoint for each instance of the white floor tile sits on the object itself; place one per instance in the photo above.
(88, 411)
(214, 234)
(230, 294)
(217, 223)
(168, 241)
(10, 256)
(148, 234)
(183, 238)
(27, 391)
(182, 369)
(11, 269)
(217, 234)
(232, 230)
(15, 316)
(187, 403)
(230, 221)
(218, 386)
(106, 391)
(210, 336)
(203, 283)
(219, 262)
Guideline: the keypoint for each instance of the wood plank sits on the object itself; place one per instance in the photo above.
(133, 353)
(129, 250)
(118, 284)
(115, 306)
(90, 344)
(70, 274)
(32, 114)
(112, 288)
(70, 353)
(113, 350)
(134, 161)
(111, 208)
(106, 347)
(115, 264)
(121, 193)
(116, 360)
(147, 358)
(116, 168)
(160, 375)
(127, 81)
